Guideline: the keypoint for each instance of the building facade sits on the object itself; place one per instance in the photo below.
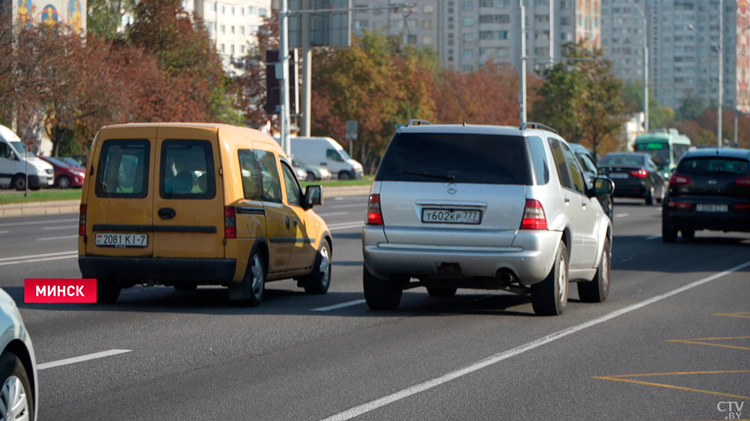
(67, 12)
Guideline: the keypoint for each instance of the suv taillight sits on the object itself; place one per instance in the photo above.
(639, 173)
(374, 216)
(743, 181)
(230, 222)
(82, 221)
(678, 180)
(533, 216)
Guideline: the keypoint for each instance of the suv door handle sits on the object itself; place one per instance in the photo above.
(167, 213)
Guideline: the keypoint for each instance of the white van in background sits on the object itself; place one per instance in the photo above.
(326, 152)
(13, 165)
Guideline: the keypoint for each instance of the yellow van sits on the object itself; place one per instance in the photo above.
(188, 204)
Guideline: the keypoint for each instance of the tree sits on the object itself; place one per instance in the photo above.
(691, 107)
(659, 117)
(104, 17)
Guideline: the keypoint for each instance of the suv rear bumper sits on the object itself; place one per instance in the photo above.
(208, 271)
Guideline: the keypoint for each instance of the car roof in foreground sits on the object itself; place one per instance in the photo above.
(470, 129)
(721, 152)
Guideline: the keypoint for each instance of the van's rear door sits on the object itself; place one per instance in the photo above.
(120, 196)
(188, 207)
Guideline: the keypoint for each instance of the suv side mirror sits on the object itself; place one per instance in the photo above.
(603, 186)
(313, 196)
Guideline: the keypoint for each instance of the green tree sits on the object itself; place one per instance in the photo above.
(105, 17)
(659, 117)
(691, 107)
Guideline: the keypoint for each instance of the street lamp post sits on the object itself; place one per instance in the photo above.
(645, 62)
(522, 94)
(720, 49)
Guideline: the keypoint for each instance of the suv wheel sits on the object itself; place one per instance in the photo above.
(596, 291)
(668, 232)
(550, 296)
(441, 292)
(380, 294)
(318, 281)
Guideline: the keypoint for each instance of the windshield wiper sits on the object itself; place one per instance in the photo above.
(428, 175)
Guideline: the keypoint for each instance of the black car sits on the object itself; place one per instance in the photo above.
(586, 159)
(709, 190)
(635, 175)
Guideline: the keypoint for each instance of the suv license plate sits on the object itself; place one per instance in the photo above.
(711, 208)
(121, 240)
(451, 216)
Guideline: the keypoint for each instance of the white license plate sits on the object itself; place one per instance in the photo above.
(711, 208)
(618, 175)
(121, 240)
(451, 216)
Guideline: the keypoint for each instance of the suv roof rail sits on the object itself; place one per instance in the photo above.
(416, 122)
(532, 125)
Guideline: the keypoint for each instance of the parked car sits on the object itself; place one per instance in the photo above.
(17, 164)
(635, 174)
(65, 175)
(709, 190)
(314, 172)
(184, 204)
(71, 161)
(585, 158)
(82, 159)
(484, 207)
(300, 172)
(18, 372)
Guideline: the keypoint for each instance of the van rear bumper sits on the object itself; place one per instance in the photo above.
(205, 271)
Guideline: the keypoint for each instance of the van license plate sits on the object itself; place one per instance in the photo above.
(121, 240)
(711, 208)
(451, 216)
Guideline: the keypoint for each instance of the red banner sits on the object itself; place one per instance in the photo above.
(59, 290)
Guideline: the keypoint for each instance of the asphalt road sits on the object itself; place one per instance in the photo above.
(671, 343)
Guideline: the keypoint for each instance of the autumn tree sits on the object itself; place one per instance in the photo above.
(104, 17)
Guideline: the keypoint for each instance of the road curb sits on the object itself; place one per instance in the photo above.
(72, 206)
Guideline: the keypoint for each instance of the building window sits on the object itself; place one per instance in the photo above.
(242, 49)
(242, 30)
(426, 40)
(242, 11)
(223, 10)
(541, 18)
(232, 10)
(211, 7)
(565, 20)
(468, 68)
(468, 53)
(566, 4)
(468, 21)
(468, 37)
(427, 8)
(426, 24)
(222, 48)
(231, 29)
(411, 39)
(223, 29)
(252, 11)
(263, 11)
(468, 5)
(541, 2)
(231, 48)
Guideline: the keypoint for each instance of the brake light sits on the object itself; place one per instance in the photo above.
(743, 181)
(678, 180)
(82, 221)
(681, 205)
(639, 173)
(533, 216)
(230, 222)
(742, 206)
(374, 216)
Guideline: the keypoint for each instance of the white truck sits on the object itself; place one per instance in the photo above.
(327, 153)
(15, 161)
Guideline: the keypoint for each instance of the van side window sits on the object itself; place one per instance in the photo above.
(251, 175)
(334, 155)
(187, 170)
(562, 167)
(293, 195)
(270, 181)
(123, 169)
(5, 151)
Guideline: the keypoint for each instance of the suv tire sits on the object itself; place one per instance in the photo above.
(380, 294)
(441, 292)
(550, 297)
(596, 291)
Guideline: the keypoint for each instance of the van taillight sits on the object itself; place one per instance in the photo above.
(533, 216)
(374, 217)
(230, 222)
(679, 180)
(82, 221)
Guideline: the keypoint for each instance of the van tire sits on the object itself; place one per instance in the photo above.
(19, 182)
(251, 290)
(63, 182)
(597, 290)
(318, 281)
(380, 294)
(311, 176)
(345, 175)
(550, 297)
(107, 291)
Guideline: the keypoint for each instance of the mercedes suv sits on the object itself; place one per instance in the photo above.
(485, 207)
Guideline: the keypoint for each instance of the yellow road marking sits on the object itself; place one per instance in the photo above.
(742, 315)
(687, 341)
(669, 386)
(679, 373)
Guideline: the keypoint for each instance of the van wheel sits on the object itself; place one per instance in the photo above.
(441, 292)
(345, 175)
(107, 291)
(318, 281)
(550, 297)
(19, 182)
(63, 182)
(310, 176)
(596, 291)
(380, 294)
(251, 290)
(15, 392)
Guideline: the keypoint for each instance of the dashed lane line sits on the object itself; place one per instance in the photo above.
(338, 306)
(82, 358)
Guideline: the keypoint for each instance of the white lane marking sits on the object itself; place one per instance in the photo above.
(333, 213)
(54, 221)
(421, 387)
(31, 256)
(653, 237)
(56, 238)
(69, 227)
(71, 255)
(4, 232)
(345, 226)
(338, 306)
(82, 358)
(358, 205)
(622, 215)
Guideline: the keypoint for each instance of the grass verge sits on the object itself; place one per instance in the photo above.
(7, 197)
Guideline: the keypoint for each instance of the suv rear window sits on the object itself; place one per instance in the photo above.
(712, 166)
(123, 169)
(458, 158)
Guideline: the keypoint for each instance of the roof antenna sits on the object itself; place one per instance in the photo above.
(464, 121)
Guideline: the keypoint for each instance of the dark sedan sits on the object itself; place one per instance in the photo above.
(635, 175)
(709, 190)
(65, 175)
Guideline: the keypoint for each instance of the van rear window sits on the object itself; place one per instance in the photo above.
(123, 169)
(187, 170)
(457, 158)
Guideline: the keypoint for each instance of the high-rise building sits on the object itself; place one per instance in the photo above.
(623, 37)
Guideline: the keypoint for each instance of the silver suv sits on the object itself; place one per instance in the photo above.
(485, 207)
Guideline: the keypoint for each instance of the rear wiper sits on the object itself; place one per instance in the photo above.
(428, 175)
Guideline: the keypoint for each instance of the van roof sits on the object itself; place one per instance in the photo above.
(8, 135)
